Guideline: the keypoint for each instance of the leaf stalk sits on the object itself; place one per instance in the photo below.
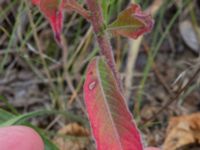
(97, 22)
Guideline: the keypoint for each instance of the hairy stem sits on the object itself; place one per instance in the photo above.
(97, 22)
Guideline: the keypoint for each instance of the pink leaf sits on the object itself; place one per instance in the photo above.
(36, 2)
(112, 124)
(53, 12)
(132, 22)
(73, 5)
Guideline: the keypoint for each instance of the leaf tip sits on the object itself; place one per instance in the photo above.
(36, 2)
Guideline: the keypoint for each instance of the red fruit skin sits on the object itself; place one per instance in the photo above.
(20, 138)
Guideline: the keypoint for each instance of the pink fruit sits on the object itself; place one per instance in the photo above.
(20, 138)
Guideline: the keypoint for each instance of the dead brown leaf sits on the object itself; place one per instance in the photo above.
(72, 137)
(181, 131)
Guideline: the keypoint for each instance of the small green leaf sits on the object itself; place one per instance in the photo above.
(131, 22)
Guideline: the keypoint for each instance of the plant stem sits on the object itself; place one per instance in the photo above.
(74, 5)
(97, 22)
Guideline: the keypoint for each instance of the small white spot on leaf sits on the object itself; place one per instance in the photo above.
(92, 85)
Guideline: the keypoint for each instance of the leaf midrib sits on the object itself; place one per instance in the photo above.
(107, 106)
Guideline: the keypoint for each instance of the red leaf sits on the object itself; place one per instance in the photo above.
(73, 5)
(112, 124)
(53, 12)
(132, 22)
(36, 2)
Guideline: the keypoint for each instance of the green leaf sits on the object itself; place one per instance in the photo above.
(21, 118)
(131, 22)
(4, 116)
